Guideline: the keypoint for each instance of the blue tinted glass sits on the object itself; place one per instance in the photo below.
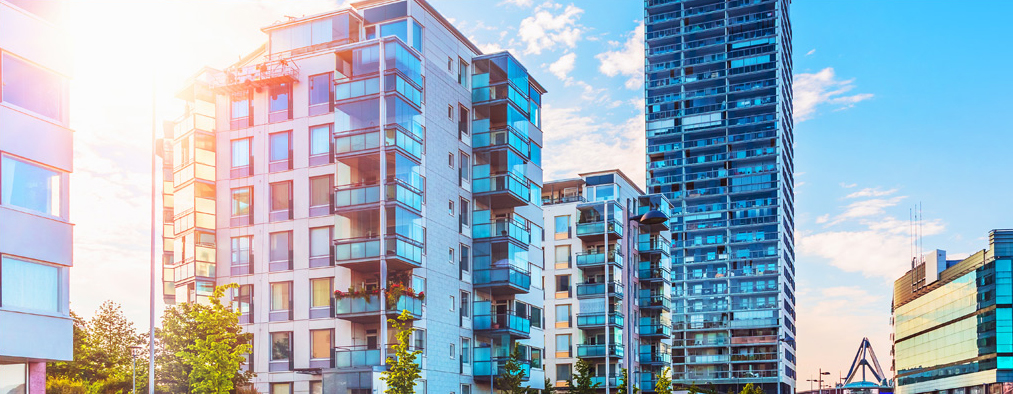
(399, 29)
(279, 146)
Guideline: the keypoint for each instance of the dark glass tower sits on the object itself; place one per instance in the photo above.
(719, 146)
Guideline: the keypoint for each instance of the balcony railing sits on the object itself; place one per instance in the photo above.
(605, 380)
(503, 280)
(654, 357)
(401, 252)
(721, 375)
(655, 330)
(550, 200)
(348, 357)
(354, 308)
(487, 367)
(588, 320)
(614, 350)
(653, 273)
(592, 229)
(517, 230)
(506, 136)
(655, 301)
(508, 184)
(503, 322)
(598, 259)
(588, 290)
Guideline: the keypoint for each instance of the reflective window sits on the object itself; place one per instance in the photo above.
(320, 293)
(320, 143)
(280, 388)
(320, 241)
(279, 97)
(27, 285)
(320, 191)
(281, 347)
(320, 344)
(320, 89)
(280, 146)
(13, 378)
(398, 29)
(281, 298)
(242, 198)
(281, 196)
(30, 186)
(32, 88)
(562, 227)
(563, 343)
(242, 251)
(281, 246)
(241, 153)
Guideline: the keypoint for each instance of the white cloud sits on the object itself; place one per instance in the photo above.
(519, 3)
(574, 134)
(871, 192)
(815, 90)
(543, 30)
(823, 219)
(628, 60)
(811, 51)
(561, 68)
(848, 185)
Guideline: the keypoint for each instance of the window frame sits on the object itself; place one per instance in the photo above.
(273, 115)
(280, 314)
(243, 219)
(277, 264)
(324, 107)
(279, 164)
(276, 214)
(316, 159)
(60, 177)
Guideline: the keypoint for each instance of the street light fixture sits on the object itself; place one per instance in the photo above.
(134, 352)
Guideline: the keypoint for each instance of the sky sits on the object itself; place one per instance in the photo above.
(895, 106)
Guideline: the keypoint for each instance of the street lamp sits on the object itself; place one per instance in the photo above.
(821, 379)
(652, 217)
(134, 352)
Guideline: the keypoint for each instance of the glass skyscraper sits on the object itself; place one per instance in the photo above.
(719, 146)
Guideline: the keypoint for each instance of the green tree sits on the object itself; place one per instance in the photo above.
(216, 358)
(624, 378)
(549, 387)
(402, 371)
(511, 379)
(664, 383)
(201, 347)
(581, 383)
(102, 360)
(751, 389)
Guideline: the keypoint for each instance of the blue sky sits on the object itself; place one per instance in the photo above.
(895, 104)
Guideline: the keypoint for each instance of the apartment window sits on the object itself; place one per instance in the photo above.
(320, 145)
(320, 297)
(463, 123)
(450, 160)
(563, 316)
(33, 88)
(281, 354)
(242, 159)
(321, 94)
(450, 64)
(562, 227)
(280, 102)
(242, 255)
(465, 389)
(453, 351)
(281, 151)
(450, 112)
(419, 339)
(242, 110)
(281, 388)
(563, 256)
(536, 272)
(536, 358)
(466, 350)
(463, 217)
(453, 304)
(320, 247)
(14, 377)
(29, 186)
(30, 286)
(563, 343)
(562, 286)
(281, 251)
(451, 256)
(465, 304)
(536, 317)
(464, 173)
(465, 258)
(321, 188)
(242, 302)
(321, 342)
(450, 207)
(281, 201)
(317, 387)
(462, 73)
(563, 372)
(242, 204)
(281, 301)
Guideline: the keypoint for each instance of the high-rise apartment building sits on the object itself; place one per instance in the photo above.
(610, 282)
(953, 322)
(36, 159)
(364, 162)
(719, 146)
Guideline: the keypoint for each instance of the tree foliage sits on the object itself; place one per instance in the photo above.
(624, 378)
(751, 389)
(549, 387)
(202, 347)
(581, 383)
(664, 383)
(402, 371)
(102, 359)
(512, 378)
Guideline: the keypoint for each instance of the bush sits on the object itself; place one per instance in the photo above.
(58, 385)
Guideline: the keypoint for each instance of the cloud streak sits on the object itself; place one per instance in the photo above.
(816, 90)
(544, 30)
(627, 61)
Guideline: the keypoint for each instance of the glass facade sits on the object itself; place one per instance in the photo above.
(719, 146)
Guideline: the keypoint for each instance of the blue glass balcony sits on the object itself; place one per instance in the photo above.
(596, 230)
(506, 190)
(590, 290)
(364, 253)
(511, 228)
(594, 320)
(654, 356)
(593, 351)
(487, 367)
(502, 136)
(603, 380)
(590, 260)
(368, 309)
(364, 357)
(654, 244)
(653, 273)
(502, 280)
(365, 195)
(657, 330)
(655, 301)
(504, 323)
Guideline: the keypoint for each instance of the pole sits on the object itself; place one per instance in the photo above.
(133, 372)
(151, 301)
(605, 206)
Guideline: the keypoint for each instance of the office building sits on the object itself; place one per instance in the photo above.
(363, 162)
(610, 282)
(953, 322)
(719, 146)
(36, 159)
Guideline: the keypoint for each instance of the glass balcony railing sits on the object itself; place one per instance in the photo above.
(654, 244)
(486, 366)
(510, 276)
(585, 320)
(605, 380)
(598, 228)
(655, 329)
(397, 247)
(373, 305)
(588, 290)
(503, 227)
(510, 183)
(649, 272)
(614, 350)
(655, 301)
(502, 321)
(654, 357)
(397, 190)
(500, 136)
(598, 259)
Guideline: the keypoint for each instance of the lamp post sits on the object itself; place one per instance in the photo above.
(134, 352)
(652, 217)
(821, 379)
